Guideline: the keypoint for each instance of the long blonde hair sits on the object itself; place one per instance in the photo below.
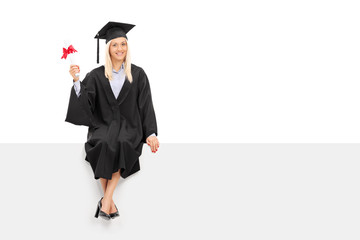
(109, 66)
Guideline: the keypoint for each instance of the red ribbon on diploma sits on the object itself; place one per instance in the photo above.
(67, 51)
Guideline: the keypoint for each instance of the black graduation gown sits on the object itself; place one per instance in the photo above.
(118, 127)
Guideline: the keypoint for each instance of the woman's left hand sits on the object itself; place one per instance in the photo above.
(153, 142)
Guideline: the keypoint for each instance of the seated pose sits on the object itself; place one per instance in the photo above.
(115, 102)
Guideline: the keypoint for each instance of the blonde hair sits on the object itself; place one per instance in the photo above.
(109, 66)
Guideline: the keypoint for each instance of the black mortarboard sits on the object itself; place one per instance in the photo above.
(112, 30)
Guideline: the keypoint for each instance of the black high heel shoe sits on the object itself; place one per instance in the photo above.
(115, 214)
(102, 214)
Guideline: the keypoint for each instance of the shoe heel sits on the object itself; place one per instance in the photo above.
(101, 213)
(97, 212)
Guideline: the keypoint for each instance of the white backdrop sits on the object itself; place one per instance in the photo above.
(228, 71)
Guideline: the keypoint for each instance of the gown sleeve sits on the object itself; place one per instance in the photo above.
(146, 109)
(81, 108)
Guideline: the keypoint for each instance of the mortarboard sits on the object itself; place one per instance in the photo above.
(112, 30)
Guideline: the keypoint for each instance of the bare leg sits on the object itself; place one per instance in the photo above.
(108, 205)
(103, 182)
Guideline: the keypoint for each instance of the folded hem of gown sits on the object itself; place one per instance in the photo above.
(133, 170)
(127, 161)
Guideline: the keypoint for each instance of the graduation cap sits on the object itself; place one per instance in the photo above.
(112, 30)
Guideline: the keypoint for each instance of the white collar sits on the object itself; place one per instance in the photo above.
(121, 68)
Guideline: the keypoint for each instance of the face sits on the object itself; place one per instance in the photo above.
(118, 49)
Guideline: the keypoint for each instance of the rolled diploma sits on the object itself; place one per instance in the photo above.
(73, 60)
(73, 56)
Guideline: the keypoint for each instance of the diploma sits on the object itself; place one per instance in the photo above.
(70, 51)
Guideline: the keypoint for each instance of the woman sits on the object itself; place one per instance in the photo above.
(115, 102)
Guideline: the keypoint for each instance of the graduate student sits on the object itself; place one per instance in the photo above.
(114, 101)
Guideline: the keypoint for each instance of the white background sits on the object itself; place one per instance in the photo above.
(220, 71)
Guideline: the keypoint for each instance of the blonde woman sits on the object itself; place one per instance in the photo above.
(114, 101)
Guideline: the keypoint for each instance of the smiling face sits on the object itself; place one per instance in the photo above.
(118, 49)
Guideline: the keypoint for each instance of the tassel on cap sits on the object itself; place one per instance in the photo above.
(97, 59)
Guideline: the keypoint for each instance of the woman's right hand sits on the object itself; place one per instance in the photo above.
(73, 70)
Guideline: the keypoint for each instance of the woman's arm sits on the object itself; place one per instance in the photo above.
(77, 87)
(146, 108)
